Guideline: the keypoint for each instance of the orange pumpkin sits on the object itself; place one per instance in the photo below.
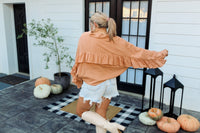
(167, 124)
(42, 80)
(188, 123)
(155, 113)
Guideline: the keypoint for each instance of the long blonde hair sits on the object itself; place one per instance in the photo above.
(104, 22)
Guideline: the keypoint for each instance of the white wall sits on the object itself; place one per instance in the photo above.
(10, 38)
(68, 16)
(175, 25)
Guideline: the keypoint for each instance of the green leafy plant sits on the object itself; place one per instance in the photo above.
(46, 35)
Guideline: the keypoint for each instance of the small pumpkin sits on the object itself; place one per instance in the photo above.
(145, 119)
(42, 80)
(167, 124)
(188, 123)
(56, 89)
(155, 113)
(42, 91)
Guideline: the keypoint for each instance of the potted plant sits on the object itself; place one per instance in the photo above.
(46, 35)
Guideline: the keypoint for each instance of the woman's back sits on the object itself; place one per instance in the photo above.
(98, 58)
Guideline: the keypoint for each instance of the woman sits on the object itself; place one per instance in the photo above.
(101, 57)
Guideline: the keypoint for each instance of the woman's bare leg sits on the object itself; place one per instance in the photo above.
(82, 106)
(102, 108)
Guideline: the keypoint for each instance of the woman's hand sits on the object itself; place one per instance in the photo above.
(164, 52)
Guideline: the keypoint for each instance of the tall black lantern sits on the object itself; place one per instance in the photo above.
(174, 85)
(154, 73)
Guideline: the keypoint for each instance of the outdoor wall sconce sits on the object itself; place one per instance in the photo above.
(174, 85)
(154, 73)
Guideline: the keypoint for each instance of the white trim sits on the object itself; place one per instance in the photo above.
(11, 38)
(3, 49)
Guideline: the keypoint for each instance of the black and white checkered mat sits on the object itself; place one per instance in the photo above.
(124, 117)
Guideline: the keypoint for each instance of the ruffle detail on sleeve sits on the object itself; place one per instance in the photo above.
(124, 61)
(155, 60)
(113, 60)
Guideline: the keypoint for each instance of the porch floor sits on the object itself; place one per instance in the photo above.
(21, 112)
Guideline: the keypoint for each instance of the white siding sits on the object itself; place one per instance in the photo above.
(67, 15)
(3, 58)
(175, 25)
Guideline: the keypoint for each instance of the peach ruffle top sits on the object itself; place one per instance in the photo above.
(98, 59)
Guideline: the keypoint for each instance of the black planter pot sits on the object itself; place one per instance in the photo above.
(64, 80)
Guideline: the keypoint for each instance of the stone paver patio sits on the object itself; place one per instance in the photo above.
(21, 112)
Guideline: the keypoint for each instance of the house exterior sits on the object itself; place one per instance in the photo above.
(160, 24)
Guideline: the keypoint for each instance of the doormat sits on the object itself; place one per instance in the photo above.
(12, 80)
(111, 111)
(124, 117)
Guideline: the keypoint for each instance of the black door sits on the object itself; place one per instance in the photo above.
(22, 46)
(133, 24)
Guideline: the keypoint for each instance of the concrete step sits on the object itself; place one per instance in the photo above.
(2, 74)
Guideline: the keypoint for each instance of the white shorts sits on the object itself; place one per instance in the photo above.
(107, 89)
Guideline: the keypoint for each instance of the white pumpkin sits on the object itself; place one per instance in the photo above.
(42, 91)
(145, 119)
(56, 89)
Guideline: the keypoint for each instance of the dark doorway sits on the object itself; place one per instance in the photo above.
(22, 45)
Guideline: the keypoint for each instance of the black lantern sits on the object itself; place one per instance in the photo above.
(154, 73)
(174, 85)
